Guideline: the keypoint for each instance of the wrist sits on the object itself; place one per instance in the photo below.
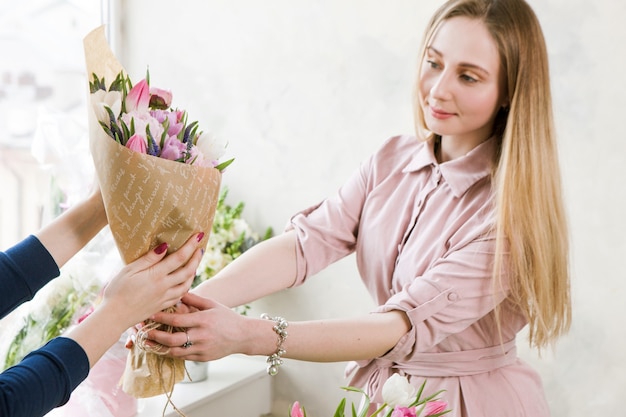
(275, 360)
(260, 339)
(96, 206)
(97, 333)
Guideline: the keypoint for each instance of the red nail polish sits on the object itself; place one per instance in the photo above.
(161, 248)
(200, 236)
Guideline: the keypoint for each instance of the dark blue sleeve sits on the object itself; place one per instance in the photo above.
(24, 269)
(44, 379)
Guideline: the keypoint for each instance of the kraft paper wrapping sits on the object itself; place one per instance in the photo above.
(148, 200)
(148, 374)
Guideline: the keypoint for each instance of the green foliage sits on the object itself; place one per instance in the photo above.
(39, 328)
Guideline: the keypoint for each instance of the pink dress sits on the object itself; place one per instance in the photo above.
(424, 243)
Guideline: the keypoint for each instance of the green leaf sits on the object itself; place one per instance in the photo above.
(419, 394)
(107, 130)
(96, 84)
(340, 411)
(432, 397)
(125, 130)
(221, 167)
(353, 389)
(115, 129)
(380, 410)
(16, 350)
(269, 232)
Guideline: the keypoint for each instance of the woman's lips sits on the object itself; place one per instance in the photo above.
(440, 114)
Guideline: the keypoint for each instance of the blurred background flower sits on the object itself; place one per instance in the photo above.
(231, 236)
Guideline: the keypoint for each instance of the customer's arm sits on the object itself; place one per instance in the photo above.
(30, 264)
(71, 231)
(46, 377)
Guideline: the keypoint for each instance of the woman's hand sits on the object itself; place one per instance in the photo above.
(214, 330)
(149, 284)
(153, 282)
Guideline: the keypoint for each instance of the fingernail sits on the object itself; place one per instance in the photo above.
(161, 248)
(200, 236)
(130, 342)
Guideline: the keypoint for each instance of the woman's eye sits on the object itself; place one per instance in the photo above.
(468, 78)
(432, 64)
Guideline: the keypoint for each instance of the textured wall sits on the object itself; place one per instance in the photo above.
(304, 90)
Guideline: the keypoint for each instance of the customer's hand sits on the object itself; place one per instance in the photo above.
(153, 282)
(148, 285)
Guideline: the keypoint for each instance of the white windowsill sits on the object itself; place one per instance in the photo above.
(237, 386)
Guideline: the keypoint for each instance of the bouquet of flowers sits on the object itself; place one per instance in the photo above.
(401, 400)
(160, 178)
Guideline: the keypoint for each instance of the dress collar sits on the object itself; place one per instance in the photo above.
(460, 173)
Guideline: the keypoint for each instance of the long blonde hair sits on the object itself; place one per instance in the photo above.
(530, 217)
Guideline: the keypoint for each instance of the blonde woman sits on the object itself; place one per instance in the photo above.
(460, 234)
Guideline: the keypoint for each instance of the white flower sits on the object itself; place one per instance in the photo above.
(41, 314)
(217, 240)
(101, 99)
(214, 260)
(240, 226)
(33, 339)
(398, 391)
(211, 147)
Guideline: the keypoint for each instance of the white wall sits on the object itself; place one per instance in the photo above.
(305, 90)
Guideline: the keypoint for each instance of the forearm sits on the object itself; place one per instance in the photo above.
(267, 267)
(71, 231)
(335, 340)
(98, 332)
(43, 380)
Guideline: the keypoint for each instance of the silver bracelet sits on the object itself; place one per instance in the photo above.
(275, 359)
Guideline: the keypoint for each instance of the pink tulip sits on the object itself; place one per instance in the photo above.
(160, 99)
(296, 411)
(137, 143)
(176, 122)
(434, 407)
(403, 412)
(138, 97)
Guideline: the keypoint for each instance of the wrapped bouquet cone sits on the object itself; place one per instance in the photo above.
(149, 199)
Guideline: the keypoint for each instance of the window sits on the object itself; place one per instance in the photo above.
(42, 99)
